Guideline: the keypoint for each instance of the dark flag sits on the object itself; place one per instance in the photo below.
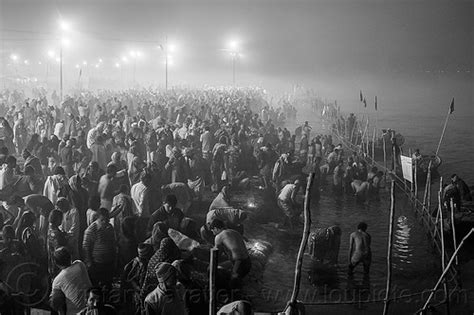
(80, 73)
(376, 102)
(365, 102)
(451, 107)
(361, 97)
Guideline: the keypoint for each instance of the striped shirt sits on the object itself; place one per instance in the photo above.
(99, 243)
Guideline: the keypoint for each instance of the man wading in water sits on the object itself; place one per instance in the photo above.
(359, 249)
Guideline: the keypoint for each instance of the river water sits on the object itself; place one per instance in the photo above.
(415, 264)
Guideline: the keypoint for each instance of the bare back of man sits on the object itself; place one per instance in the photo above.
(233, 244)
(359, 250)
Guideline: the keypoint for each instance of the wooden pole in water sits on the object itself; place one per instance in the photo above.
(451, 108)
(416, 182)
(384, 146)
(443, 250)
(373, 146)
(389, 248)
(453, 227)
(445, 271)
(304, 241)
(212, 280)
(428, 181)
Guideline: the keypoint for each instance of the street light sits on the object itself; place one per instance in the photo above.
(167, 48)
(134, 54)
(14, 57)
(233, 49)
(63, 27)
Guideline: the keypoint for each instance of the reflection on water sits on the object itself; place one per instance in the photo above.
(411, 252)
(401, 247)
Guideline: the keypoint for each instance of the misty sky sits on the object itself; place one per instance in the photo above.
(348, 43)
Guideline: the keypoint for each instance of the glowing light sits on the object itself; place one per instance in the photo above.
(40, 63)
(84, 63)
(97, 66)
(57, 59)
(100, 60)
(233, 45)
(26, 62)
(51, 54)
(77, 66)
(65, 41)
(117, 65)
(133, 54)
(124, 59)
(65, 26)
(171, 47)
(251, 205)
(14, 57)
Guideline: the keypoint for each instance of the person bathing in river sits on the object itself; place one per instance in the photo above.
(359, 249)
(462, 186)
(232, 243)
(361, 189)
(287, 202)
(338, 177)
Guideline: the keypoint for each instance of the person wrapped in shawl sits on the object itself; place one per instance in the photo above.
(177, 166)
(133, 277)
(165, 251)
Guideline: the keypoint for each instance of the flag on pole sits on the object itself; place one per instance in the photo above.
(375, 102)
(365, 102)
(361, 97)
(451, 107)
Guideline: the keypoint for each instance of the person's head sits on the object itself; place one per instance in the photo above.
(454, 178)
(62, 257)
(29, 170)
(11, 161)
(58, 170)
(166, 275)
(55, 218)
(102, 217)
(297, 183)
(159, 232)
(8, 234)
(25, 154)
(145, 178)
(94, 297)
(111, 169)
(145, 251)
(216, 226)
(63, 204)
(362, 226)
(170, 202)
(123, 189)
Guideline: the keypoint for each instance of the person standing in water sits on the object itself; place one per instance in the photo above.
(359, 249)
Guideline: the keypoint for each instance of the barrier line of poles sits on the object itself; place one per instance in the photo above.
(292, 304)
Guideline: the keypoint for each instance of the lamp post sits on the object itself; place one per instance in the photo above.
(233, 49)
(167, 48)
(64, 26)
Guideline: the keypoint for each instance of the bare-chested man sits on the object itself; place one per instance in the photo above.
(232, 243)
(359, 249)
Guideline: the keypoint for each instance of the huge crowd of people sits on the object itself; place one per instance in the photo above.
(99, 192)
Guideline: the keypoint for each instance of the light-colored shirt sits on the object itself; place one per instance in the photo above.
(74, 282)
(288, 193)
(206, 140)
(141, 200)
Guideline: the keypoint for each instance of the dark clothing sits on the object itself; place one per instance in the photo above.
(172, 219)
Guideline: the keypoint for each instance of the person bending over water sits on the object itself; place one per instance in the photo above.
(359, 248)
(232, 243)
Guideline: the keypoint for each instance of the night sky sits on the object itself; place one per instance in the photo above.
(294, 42)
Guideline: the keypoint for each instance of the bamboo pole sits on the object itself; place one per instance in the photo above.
(453, 227)
(416, 179)
(212, 280)
(428, 180)
(444, 128)
(445, 271)
(373, 146)
(443, 250)
(389, 248)
(292, 307)
(384, 146)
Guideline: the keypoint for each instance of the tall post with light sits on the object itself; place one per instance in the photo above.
(233, 49)
(167, 48)
(64, 26)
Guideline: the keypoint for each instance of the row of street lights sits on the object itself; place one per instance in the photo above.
(134, 55)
